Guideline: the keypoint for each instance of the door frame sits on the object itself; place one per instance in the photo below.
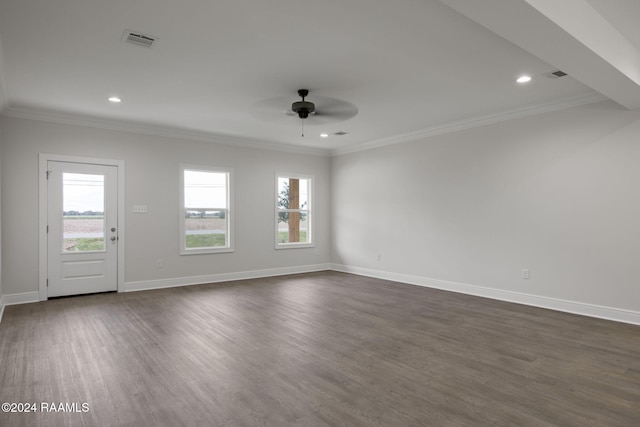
(43, 159)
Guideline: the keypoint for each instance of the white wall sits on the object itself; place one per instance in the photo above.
(1, 299)
(556, 193)
(151, 165)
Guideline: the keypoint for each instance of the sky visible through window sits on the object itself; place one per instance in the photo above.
(205, 189)
(83, 192)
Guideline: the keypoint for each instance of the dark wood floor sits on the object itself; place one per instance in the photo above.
(320, 349)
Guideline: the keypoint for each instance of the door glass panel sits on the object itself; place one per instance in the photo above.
(83, 212)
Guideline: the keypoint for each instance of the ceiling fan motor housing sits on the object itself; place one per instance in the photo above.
(303, 108)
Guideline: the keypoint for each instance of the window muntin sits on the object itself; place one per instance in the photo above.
(293, 213)
(205, 210)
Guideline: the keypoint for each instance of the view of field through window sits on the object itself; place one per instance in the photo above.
(83, 221)
(205, 209)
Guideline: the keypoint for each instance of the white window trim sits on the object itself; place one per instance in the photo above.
(311, 236)
(229, 216)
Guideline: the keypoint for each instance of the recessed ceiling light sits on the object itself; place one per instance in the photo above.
(324, 135)
(523, 79)
(114, 99)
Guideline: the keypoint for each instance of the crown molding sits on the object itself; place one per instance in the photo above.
(473, 122)
(155, 130)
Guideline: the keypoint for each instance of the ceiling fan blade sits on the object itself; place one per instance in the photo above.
(334, 110)
(272, 109)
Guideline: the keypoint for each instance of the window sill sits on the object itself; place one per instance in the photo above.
(205, 251)
(295, 245)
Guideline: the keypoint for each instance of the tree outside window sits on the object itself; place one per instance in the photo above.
(294, 214)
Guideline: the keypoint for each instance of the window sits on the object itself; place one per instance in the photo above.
(293, 212)
(205, 210)
(83, 222)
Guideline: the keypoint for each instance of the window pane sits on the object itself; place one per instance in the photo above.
(293, 227)
(283, 193)
(293, 193)
(304, 193)
(202, 189)
(83, 212)
(206, 215)
(294, 216)
(205, 228)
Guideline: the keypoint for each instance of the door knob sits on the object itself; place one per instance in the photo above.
(113, 238)
(113, 229)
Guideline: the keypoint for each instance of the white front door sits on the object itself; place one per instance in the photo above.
(82, 221)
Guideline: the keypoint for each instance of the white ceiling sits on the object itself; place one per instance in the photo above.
(411, 67)
(623, 14)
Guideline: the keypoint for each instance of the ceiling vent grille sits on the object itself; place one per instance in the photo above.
(555, 74)
(341, 133)
(139, 39)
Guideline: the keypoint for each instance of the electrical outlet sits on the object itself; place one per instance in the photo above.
(525, 273)
(159, 263)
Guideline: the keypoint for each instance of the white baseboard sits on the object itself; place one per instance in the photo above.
(584, 309)
(13, 299)
(28, 297)
(591, 310)
(22, 298)
(222, 277)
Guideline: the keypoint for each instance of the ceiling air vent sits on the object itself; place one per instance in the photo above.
(555, 74)
(137, 38)
(341, 133)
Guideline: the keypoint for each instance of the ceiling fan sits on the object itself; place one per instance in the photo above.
(303, 108)
(321, 111)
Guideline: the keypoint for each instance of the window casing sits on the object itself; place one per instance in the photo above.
(294, 215)
(205, 210)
